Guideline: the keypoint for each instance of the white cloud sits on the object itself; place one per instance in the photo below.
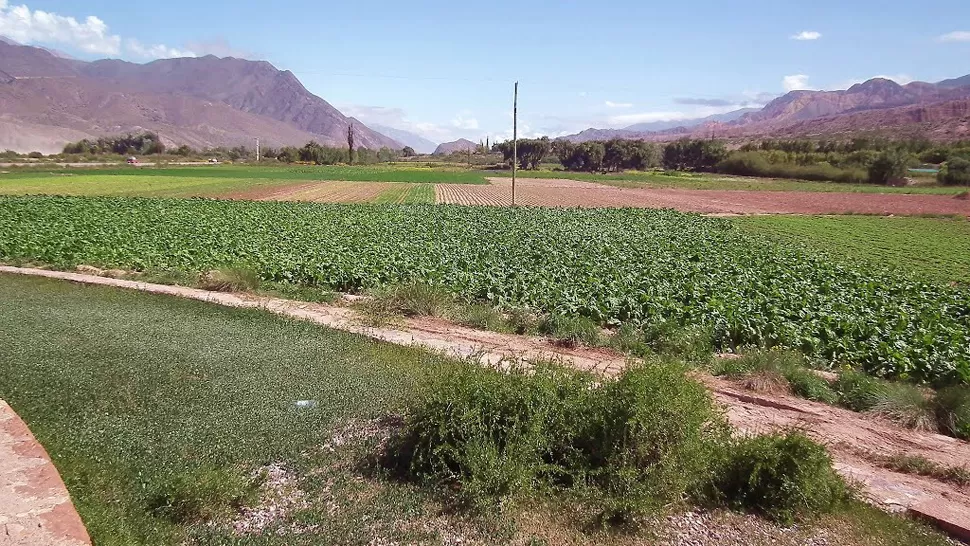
(29, 27)
(157, 51)
(956, 36)
(611, 104)
(461, 122)
(795, 82)
(582, 93)
(806, 35)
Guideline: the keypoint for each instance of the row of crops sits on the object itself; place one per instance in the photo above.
(618, 266)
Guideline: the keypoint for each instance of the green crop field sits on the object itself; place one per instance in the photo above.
(643, 267)
(704, 181)
(938, 248)
(211, 181)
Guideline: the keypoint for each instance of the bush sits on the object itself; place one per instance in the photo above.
(955, 172)
(409, 300)
(952, 407)
(784, 477)
(810, 386)
(694, 344)
(652, 438)
(889, 167)
(777, 370)
(491, 433)
(753, 163)
(630, 445)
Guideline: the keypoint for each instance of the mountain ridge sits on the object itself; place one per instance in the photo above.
(99, 98)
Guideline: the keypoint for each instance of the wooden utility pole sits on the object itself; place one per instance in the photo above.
(515, 137)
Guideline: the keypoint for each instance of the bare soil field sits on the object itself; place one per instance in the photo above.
(570, 193)
(856, 441)
(322, 192)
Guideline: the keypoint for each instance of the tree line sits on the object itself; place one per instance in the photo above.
(857, 160)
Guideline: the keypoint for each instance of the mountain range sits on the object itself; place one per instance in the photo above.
(47, 100)
(937, 111)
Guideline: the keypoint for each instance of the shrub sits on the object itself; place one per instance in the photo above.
(523, 321)
(652, 437)
(490, 433)
(784, 477)
(952, 407)
(481, 316)
(570, 331)
(955, 172)
(629, 445)
(200, 495)
(888, 167)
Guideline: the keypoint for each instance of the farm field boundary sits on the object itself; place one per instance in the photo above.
(571, 193)
(841, 430)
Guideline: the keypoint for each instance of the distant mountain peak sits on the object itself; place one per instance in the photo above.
(460, 145)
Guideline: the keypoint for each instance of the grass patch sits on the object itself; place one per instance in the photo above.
(406, 300)
(155, 409)
(776, 371)
(921, 466)
(906, 405)
(570, 330)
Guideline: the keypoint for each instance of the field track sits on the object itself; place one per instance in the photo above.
(570, 193)
(852, 438)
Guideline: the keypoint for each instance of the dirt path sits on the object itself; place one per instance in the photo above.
(35, 508)
(571, 193)
(851, 437)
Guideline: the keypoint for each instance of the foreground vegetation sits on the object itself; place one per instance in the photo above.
(177, 422)
(646, 269)
(935, 248)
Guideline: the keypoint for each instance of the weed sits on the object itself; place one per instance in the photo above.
(570, 331)
(692, 343)
(201, 495)
(786, 477)
(408, 300)
(952, 408)
(907, 405)
(921, 466)
(481, 316)
(776, 371)
(810, 385)
(229, 279)
(857, 391)
(523, 321)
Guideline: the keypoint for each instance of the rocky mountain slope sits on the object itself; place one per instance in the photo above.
(876, 106)
(460, 145)
(202, 102)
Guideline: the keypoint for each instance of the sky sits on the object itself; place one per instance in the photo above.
(445, 70)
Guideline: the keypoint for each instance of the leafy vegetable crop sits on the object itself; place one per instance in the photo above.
(643, 267)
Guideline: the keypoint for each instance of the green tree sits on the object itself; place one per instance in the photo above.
(350, 143)
(891, 166)
(955, 172)
(693, 155)
(408, 152)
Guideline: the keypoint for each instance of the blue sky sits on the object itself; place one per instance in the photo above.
(445, 69)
